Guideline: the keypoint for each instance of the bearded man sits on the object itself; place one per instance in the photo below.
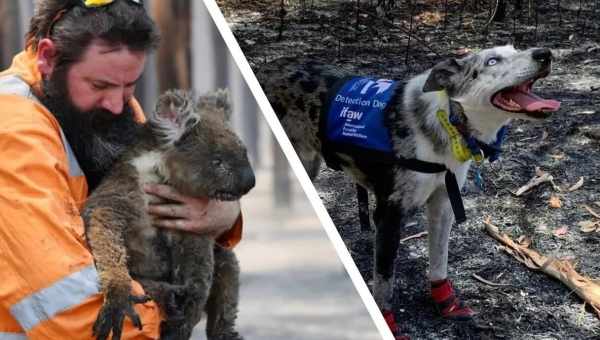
(68, 112)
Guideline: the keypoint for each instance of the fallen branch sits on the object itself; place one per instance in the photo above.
(421, 234)
(479, 278)
(539, 178)
(592, 212)
(562, 270)
(576, 185)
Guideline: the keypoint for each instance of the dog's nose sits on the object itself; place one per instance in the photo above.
(543, 55)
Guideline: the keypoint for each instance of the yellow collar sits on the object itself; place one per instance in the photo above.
(460, 150)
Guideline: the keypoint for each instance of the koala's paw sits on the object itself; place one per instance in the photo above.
(112, 314)
(174, 307)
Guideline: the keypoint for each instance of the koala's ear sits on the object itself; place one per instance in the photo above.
(216, 104)
(441, 74)
(174, 112)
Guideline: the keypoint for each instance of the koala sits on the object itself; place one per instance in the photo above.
(188, 145)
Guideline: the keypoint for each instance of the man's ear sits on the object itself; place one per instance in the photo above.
(46, 57)
(441, 74)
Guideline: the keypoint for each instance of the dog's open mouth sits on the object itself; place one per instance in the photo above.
(520, 99)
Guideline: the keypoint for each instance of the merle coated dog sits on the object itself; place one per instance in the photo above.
(483, 91)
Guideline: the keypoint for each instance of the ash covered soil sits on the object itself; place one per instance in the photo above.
(567, 145)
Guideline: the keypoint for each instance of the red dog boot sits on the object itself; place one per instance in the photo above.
(391, 322)
(447, 303)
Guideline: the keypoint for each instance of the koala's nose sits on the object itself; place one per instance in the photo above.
(543, 55)
(248, 180)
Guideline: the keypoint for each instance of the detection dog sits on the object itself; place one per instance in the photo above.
(483, 91)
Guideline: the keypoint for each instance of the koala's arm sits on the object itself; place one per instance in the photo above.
(107, 216)
(105, 228)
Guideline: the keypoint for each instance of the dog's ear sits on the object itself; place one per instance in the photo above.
(216, 104)
(441, 74)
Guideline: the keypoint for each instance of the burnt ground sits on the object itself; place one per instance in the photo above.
(567, 146)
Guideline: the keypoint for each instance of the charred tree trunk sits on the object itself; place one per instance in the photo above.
(499, 12)
(281, 17)
(410, 30)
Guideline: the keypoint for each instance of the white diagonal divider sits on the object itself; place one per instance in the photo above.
(296, 165)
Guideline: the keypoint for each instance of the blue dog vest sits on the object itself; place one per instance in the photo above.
(353, 121)
(357, 112)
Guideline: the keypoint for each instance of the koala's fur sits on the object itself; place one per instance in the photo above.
(188, 145)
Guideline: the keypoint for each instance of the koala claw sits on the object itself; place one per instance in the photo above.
(113, 312)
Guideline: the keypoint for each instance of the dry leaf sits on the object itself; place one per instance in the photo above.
(588, 226)
(592, 212)
(544, 135)
(555, 202)
(576, 185)
(597, 203)
(524, 241)
(558, 157)
(429, 18)
(560, 232)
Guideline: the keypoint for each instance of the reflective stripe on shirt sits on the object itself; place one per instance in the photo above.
(12, 336)
(62, 295)
(16, 86)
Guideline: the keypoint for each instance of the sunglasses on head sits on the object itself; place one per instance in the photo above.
(100, 3)
(85, 4)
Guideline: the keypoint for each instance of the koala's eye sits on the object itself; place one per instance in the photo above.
(492, 61)
(216, 162)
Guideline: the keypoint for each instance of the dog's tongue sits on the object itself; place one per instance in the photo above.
(530, 102)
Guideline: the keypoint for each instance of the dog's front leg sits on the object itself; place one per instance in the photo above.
(440, 218)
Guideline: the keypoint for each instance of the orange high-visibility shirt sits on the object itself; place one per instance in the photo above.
(49, 287)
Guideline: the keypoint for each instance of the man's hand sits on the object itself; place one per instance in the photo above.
(193, 214)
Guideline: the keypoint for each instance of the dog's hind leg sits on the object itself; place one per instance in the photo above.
(440, 218)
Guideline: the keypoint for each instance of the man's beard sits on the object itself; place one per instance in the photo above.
(97, 137)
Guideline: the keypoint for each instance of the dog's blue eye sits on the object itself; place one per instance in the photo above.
(492, 61)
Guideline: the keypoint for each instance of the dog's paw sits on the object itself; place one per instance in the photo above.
(112, 314)
(390, 320)
(447, 302)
